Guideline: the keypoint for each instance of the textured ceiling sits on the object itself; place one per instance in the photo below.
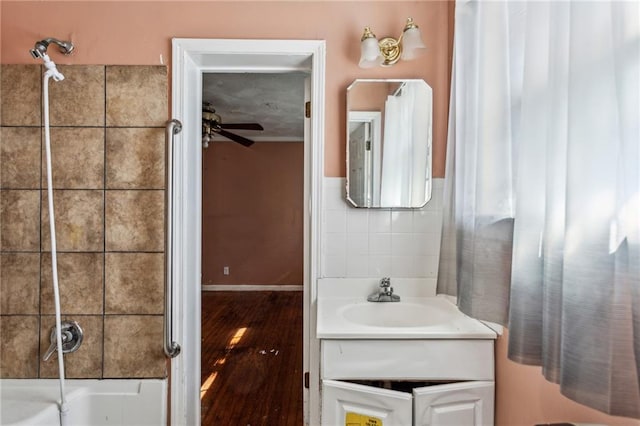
(274, 100)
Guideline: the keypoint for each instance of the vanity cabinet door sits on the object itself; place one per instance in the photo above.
(455, 404)
(350, 404)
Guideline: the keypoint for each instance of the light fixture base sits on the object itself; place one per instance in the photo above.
(391, 50)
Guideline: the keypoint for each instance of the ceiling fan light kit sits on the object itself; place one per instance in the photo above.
(212, 124)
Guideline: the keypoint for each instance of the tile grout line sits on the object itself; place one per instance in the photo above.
(104, 224)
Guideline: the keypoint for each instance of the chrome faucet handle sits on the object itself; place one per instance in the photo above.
(52, 348)
(71, 335)
(385, 282)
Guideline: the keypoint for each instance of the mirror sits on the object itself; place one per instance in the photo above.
(389, 143)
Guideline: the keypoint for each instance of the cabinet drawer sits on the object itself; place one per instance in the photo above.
(407, 359)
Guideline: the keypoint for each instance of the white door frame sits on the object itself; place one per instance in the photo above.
(190, 58)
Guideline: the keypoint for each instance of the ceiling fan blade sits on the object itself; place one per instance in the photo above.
(236, 138)
(242, 126)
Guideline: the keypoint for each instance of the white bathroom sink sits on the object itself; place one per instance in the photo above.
(395, 314)
(343, 312)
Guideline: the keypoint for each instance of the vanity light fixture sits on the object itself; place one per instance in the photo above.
(389, 50)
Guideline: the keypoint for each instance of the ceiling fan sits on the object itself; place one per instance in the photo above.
(212, 123)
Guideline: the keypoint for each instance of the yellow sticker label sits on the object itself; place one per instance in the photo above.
(355, 419)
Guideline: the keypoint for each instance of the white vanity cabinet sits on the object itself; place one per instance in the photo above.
(419, 361)
(455, 404)
(459, 392)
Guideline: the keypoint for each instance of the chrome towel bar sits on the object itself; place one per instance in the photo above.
(171, 348)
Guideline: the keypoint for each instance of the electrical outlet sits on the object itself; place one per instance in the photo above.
(225, 270)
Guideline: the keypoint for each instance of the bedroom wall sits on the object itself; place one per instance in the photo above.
(252, 213)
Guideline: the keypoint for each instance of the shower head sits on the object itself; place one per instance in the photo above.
(40, 48)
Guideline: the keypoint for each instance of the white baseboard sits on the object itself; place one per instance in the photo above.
(250, 287)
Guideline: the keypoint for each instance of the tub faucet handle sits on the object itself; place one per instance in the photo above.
(52, 348)
(71, 335)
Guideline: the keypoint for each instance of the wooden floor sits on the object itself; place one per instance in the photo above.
(251, 358)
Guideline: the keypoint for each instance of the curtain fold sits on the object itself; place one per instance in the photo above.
(403, 176)
(542, 190)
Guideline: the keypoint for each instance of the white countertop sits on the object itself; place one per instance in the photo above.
(336, 302)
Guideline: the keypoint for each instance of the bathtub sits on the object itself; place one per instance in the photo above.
(91, 402)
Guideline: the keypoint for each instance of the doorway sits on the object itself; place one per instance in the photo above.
(252, 248)
(191, 59)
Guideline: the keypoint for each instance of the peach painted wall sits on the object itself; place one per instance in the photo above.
(252, 213)
(141, 32)
(524, 397)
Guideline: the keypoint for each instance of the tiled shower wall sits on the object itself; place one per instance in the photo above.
(374, 243)
(108, 176)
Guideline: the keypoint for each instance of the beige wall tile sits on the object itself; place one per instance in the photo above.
(77, 158)
(20, 220)
(79, 220)
(134, 220)
(20, 94)
(19, 283)
(80, 279)
(133, 346)
(137, 96)
(19, 347)
(86, 362)
(135, 158)
(78, 100)
(20, 157)
(134, 283)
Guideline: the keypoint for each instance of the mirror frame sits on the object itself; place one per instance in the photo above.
(375, 118)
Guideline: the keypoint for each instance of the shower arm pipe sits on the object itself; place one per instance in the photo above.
(40, 48)
(65, 47)
(171, 348)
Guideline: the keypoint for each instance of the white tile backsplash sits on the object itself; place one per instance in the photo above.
(335, 221)
(427, 221)
(402, 245)
(428, 266)
(379, 221)
(372, 243)
(358, 244)
(335, 244)
(357, 220)
(334, 266)
(404, 266)
(379, 266)
(379, 244)
(357, 266)
(426, 244)
(402, 221)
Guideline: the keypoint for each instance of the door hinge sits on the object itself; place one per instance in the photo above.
(306, 380)
(307, 109)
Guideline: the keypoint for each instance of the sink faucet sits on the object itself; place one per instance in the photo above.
(385, 293)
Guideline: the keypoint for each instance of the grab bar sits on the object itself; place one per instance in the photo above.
(171, 348)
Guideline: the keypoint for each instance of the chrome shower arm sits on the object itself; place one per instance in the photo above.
(40, 48)
(65, 47)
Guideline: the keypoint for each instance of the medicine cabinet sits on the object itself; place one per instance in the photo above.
(389, 143)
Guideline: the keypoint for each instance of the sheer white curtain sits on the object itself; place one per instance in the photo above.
(542, 219)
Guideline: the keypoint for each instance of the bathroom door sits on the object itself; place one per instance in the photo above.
(349, 404)
(455, 404)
